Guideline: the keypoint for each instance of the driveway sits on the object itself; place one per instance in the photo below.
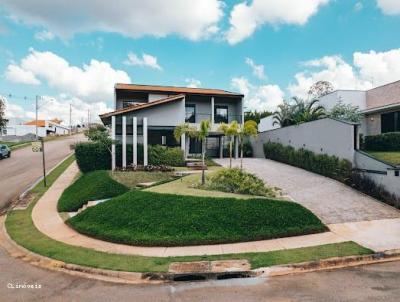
(25, 167)
(332, 201)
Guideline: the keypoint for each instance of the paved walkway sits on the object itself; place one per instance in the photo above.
(330, 200)
(47, 220)
(377, 235)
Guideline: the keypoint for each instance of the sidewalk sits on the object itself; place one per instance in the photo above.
(48, 221)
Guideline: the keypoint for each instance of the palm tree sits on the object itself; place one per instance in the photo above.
(284, 115)
(230, 130)
(249, 128)
(201, 134)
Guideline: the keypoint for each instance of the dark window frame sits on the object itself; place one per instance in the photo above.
(390, 122)
(220, 118)
(192, 118)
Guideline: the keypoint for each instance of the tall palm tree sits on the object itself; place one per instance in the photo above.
(201, 134)
(284, 115)
(231, 130)
(249, 128)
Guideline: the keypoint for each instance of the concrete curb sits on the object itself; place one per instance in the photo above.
(20, 252)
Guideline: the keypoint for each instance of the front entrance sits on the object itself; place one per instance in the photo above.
(212, 146)
(194, 146)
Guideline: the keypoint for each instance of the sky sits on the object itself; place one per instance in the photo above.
(73, 52)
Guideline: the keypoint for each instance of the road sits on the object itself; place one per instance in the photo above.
(25, 167)
(379, 282)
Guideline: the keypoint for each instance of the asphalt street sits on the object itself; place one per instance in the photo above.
(25, 167)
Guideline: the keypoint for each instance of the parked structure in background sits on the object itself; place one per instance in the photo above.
(44, 128)
(148, 115)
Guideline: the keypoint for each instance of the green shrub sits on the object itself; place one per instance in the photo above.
(330, 166)
(92, 156)
(161, 155)
(238, 181)
(247, 149)
(90, 186)
(383, 142)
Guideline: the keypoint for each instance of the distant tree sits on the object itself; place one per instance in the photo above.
(319, 89)
(346, 112)
(3, 120)
(297, 112)
(256, 115)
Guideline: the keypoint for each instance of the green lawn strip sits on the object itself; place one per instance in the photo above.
(132, 179)
(89, 186)
(15, 145)
(153, 219)
(21, 229)
(390, 157)
(188, 185)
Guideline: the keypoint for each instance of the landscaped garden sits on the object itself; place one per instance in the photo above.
(391, 157)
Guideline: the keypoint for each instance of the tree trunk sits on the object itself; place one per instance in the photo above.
(230, 153)
(241, 155)
(203, 153)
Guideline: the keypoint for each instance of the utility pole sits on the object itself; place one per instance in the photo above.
(44, 163)
(36, 119)
(88, 118)
(70, 119)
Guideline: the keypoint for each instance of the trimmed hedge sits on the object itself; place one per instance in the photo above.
(91, 156)
(95, 185)
(326, 165)
(383, 142)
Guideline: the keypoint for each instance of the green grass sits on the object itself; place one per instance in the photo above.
(21, 229)
(390, 157)
(132, 179)
(189, 185)
(90, 186)
(15, 145)
(152, 219)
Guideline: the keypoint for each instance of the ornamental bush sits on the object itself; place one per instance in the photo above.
(92, 156)
(162, 155)
(330, 166)
(383, 142)
(238, 181)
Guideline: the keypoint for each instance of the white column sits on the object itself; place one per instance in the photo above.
(134, 145)
(124, 142)
(145, 160)
(212, 110)
(113, 145)
(183, 144)
(221, 147)
(236, 142)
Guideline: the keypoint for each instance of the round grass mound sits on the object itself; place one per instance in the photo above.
(153, 219)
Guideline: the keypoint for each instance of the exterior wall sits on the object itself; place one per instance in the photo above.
(266, 124)
(21, 130)
(373, 124)
(155, 97)
(353, 97)
(324, 136)
(383, 95)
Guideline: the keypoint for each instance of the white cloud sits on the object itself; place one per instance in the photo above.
(44, 35)
(245, 18)
(93, 82)
(389, 7)
(17, 74)
(258, 70)
(145, 60)
(367, 70)
(193, 83)
(133, 18)
(358, 6)
(260, 98)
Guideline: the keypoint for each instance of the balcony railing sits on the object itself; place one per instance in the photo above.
(198, 117)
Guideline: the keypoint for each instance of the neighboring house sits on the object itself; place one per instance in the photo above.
(148, 115)
(44, 128)
(380, 106)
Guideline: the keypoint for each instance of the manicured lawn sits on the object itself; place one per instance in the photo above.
(15, 145)
(188, 185)
(131, 179)
(390, 157)
(152, 219)
(22, 230)
(90, 186)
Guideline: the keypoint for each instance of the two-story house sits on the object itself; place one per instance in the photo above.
(147, 114)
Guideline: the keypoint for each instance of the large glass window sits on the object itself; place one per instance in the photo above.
(190, 113)
(390, 122)
(221, 114)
